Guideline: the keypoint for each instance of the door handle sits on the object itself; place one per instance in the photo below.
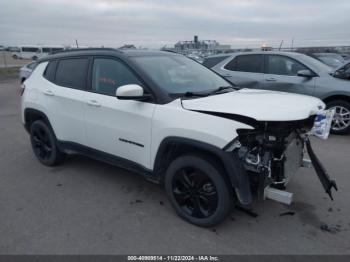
(93, 103)
(271, 79)
(48, 93)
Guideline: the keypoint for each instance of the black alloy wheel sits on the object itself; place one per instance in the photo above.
(195, 193)
(44, 144)
(198, 189)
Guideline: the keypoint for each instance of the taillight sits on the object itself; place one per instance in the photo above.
(21, 91)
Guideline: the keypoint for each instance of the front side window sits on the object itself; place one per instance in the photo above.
(178, 74)
(109, 74)
(72, 73)
(246, 63)
(282, 65)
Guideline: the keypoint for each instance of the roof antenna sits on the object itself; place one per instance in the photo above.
(279, 49)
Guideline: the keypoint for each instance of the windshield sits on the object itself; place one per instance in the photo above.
(179, 75)
(313, 62)
(331, 61)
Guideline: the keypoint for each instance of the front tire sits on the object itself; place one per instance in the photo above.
(198, 190)
(341, 121)
(44, 144)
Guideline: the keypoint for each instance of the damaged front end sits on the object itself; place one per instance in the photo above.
(271, 154)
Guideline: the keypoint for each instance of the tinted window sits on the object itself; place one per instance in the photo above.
(46, 50)
(212, 61)
(30, 49)
(282, 65)
(49, 73)
(246, 63)
(51, 49)
(72, 73)
(55, 49)
(109, 74)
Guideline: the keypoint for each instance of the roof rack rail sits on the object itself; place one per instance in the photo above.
(85, 49)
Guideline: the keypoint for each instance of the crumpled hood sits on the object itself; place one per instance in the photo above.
(261, 105)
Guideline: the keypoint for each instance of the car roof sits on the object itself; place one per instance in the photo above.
(292, 54)
(104, 51)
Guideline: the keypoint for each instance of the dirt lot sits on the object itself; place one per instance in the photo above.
(88, 207)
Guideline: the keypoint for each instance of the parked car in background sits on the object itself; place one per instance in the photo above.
(288, 72)
(333, 60)
(46, 50)
(343, 71)
(25, 71)
(346, 57)
(27, 52)
(34, 52)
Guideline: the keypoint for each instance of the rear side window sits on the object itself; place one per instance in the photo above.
(49, 73)
(72, 73)
(246, 63)
(109, 74)
(213, 61)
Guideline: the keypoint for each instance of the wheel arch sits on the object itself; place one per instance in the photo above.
(337, 97)
(172, 147)
(31, 115)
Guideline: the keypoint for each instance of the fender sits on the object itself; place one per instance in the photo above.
(232, 165)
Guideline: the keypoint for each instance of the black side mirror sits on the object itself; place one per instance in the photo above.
(305, 73)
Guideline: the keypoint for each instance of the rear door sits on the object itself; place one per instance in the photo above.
(64, 97)
(244, 70)
(281, 75)
(118, 127)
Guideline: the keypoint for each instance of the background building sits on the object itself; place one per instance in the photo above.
(199, 46)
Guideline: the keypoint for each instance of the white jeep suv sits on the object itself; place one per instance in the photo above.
(173, 121)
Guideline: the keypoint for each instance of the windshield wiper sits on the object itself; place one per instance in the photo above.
(193, 94)
(222, 88)
(216, 91)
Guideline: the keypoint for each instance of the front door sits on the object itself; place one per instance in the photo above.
(118, 127)
(281, 75)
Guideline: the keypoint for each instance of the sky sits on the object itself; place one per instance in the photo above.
(158, 23)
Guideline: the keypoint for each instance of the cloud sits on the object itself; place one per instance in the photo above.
(155, 23)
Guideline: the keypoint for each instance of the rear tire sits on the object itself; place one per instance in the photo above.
(44, 144)
(198, 190)
(341, 122)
